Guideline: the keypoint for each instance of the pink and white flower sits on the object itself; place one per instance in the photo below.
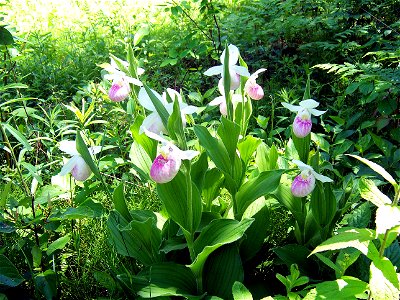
(221, 101)
(76, 165)
(304, 183)
(153, 121)
(302, 123)
(120, 88)
(252, 88)
(234, 71)
(167, 164)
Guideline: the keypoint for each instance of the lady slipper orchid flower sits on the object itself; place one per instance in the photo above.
(120, 88)
(76, 165)
(252, 88)
(234, 70)
(221, 101)
(302, 123)
(304, 183)
(166, 165)
(153, 121)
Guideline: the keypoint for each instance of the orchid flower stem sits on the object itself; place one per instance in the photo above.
(396, 196)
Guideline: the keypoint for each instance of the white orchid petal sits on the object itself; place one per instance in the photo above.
(294, 108)
(240, 70)
(152, 123)
(320, 177)
(110, 77)
(188, 110)
(188, 154)
(238, 98)
(317, 112)
(302, 166)
(69, 147)
(67, 168)
(216, 70)
(255, 74)
(309, 103)
(233, 55)
(217, 101)
(145, 101)
(156, 137)
(173, 94)
(139, 71)
(133, 81)
(94, 150)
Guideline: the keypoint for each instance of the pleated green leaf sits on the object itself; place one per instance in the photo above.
(139, 238)
(229, 132)
(119, 202)
(174, 195)
(218, 233)
(323, 204)
(161, 110)
(262, 185)
(163, 279)
(302, 146)
(148, 144)
(247, 147)
(222, 269)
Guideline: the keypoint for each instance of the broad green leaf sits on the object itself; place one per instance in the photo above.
(174, 195)
(9, 275)
(302, 146)
(323, 204)
(383, 144)
(262, 157)
(383, 283)
(161, 110)
(84, 152)
(387, 217)
(320, 142)
(139, 238)
(46, 193)
(359, 238)
(88, 209)
(213, 179)
(345, 288)
(36, 256)
(393, 254)
(345, 259)
(214, 147)
(377, 168)
(240, 292)
(218, 233)
(6, 37)
(359, 217)
(247, 147)
(229, 132)
(175, 125)
(262, 185)
(369, 191)
(46, 283)
(222, 269)
(148, 144)
(105, 280)
(140, 34)
(258, 230)
(163, 279)
(296, 254)
(199, 169)
(119, 202)
(140, 159)
(58, 244)
(328, 262)
(17, 135)
(285, 197)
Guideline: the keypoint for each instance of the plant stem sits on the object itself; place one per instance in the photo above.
(190, 235)
(382, 248)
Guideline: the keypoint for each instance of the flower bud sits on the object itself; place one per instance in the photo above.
(81, 171)
(303, 184)
(119, 90)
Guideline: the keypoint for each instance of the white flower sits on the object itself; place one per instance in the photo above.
(234, 70)
(304, 183)
(302, 123)
(166, 165)
(153, 121)
(76, 165)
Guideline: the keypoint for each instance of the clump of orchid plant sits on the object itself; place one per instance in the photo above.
(304, 183)
(302, 123)
(76, 165)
